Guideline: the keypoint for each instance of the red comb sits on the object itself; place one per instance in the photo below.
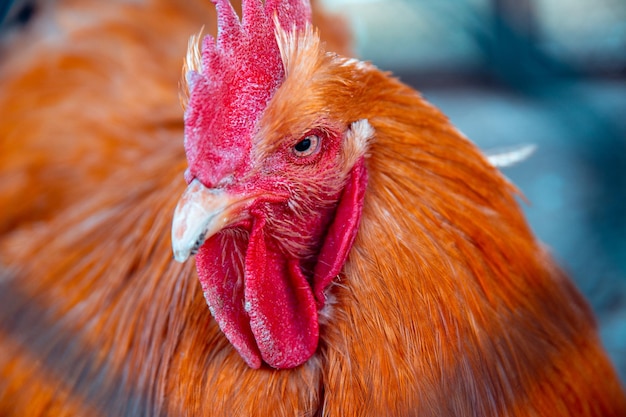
(240, 72)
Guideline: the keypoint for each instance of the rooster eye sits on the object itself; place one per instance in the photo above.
(307, 146)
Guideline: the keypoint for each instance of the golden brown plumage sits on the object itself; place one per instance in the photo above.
(447, 304)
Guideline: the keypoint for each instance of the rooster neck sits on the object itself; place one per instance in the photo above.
(452, 285)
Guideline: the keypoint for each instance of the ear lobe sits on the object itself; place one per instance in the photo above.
(341, 233)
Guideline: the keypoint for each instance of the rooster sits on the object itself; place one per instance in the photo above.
(358, 255)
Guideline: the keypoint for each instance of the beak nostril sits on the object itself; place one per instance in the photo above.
(227, 180)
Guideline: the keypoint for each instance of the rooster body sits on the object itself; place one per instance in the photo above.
(446, 304)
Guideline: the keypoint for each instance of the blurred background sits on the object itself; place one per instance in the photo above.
(547, 72)
(511, 72)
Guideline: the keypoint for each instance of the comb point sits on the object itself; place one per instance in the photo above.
(228, 25)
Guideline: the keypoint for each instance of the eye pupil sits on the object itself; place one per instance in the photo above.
(308, 146)
(303, 145)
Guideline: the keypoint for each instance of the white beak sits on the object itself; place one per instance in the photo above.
(201, 212)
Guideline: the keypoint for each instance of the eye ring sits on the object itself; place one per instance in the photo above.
(307, 146)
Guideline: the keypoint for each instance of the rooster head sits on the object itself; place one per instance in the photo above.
(276, 177)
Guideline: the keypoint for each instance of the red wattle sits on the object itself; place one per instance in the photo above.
(280, 303)
(219, 271)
